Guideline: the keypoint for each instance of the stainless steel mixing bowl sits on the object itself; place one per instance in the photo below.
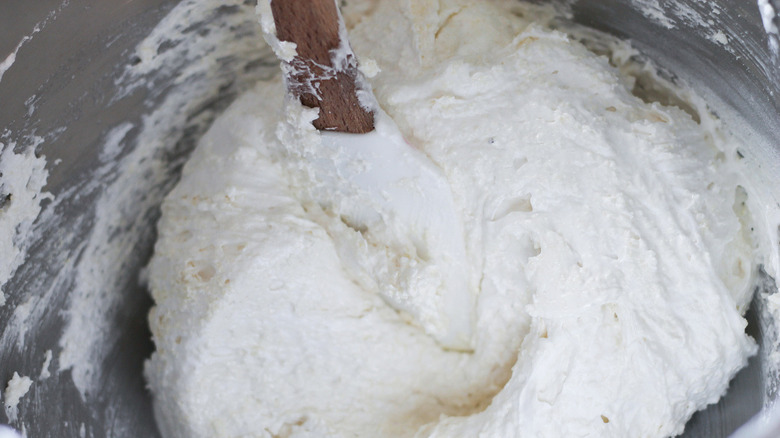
(70, 87)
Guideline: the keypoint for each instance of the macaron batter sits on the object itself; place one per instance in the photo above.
(607, 237)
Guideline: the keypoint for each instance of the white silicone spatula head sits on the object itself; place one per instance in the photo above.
(365, 173)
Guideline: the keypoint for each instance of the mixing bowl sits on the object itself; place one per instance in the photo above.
(115, 95)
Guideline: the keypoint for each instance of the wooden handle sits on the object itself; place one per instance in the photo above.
(313, 25)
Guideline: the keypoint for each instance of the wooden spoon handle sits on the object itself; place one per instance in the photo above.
(313, 25)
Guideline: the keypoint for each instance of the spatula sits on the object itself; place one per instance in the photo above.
(372, 178)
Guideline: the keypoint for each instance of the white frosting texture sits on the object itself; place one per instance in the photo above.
(22, 178)
(7, 432)
(16, 388)
(607, 238)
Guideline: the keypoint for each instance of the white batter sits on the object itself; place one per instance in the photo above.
(607, 238)
(16, 388)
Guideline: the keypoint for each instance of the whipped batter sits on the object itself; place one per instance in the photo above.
(607, 239)
(16, 388)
